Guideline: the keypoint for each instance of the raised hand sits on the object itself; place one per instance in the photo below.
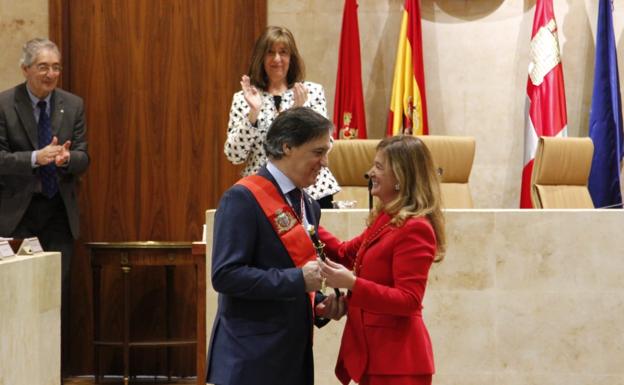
(300, 94)
(252, 96)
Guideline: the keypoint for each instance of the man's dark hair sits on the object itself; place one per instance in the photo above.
(295, 127)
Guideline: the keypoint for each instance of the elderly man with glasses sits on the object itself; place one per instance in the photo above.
(43, 149)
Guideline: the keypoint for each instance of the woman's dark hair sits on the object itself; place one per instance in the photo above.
(271, 36)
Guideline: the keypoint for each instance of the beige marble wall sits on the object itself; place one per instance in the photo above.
(30, 320)
(523, 297)
(20, 21)
(475, 57)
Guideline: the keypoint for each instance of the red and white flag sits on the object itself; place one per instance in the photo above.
(546, 105)
(349, 115)
(408, 105)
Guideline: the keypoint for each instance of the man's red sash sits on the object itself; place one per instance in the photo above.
(283, 219)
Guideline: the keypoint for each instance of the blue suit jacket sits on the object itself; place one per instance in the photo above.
(262, 332)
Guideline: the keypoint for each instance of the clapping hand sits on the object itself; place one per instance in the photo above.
(252, 97)
(300, 95)
(63, 157)
(49, 153)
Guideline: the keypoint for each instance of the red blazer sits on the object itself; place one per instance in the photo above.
(385, 333)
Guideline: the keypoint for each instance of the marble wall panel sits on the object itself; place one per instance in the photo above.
(474, 250)
(20, 21)
(30, 320)
(522, 297)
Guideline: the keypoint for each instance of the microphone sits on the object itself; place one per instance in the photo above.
(370, 187)
(370, 181)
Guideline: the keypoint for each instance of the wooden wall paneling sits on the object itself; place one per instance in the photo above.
(58, 24)
(247, 27)
(157, 77)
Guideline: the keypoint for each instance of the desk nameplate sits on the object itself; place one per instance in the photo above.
(30, 246)
(6, 250)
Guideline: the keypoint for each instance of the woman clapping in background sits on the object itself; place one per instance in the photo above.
(273, 84)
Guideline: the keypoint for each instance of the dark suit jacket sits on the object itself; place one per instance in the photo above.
(18, 139)
(262, 332)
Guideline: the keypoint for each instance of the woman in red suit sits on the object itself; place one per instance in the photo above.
(385, 340)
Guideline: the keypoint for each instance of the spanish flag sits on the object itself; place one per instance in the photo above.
(408, 105)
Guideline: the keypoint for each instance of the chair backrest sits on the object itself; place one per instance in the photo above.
(349, 160)
(560, 173)
(453, 156)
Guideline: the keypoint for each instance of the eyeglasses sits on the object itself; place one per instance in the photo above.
(44, 68)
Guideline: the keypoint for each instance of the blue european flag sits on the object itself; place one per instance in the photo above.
(605, 117)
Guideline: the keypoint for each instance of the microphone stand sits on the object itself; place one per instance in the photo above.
(370, 196)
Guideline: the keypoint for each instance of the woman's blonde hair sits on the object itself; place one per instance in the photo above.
(419, 186)
(271, 36)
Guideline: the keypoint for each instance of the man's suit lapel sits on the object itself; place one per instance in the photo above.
(311, 208)
(309, 205)
(57, 113)
(23, 106)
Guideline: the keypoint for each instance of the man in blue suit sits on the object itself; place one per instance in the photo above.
(264, 263)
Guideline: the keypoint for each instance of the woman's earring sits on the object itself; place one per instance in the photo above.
(397, 187)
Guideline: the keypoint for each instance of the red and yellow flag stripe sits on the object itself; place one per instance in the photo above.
(408, 105)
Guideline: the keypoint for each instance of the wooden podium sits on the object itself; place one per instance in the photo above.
(127, 255)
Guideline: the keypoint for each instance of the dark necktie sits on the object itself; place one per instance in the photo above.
(277, 99)
(295, 200)
(49, 186)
